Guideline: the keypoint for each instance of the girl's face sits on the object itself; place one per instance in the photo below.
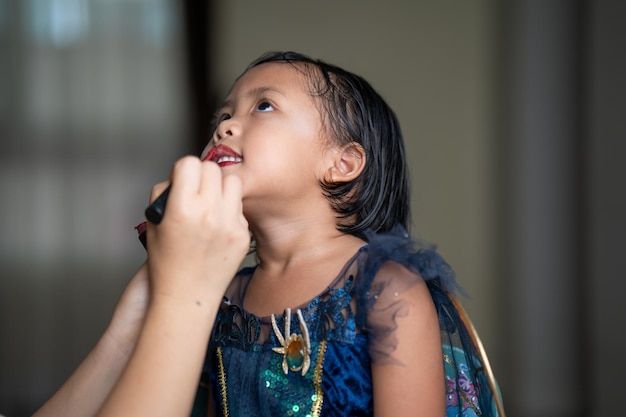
(269, 133)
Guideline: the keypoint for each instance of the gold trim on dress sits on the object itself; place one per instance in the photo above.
(316, 408)
(222, 381)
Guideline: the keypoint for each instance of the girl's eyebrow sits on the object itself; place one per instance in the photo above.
(255, 92)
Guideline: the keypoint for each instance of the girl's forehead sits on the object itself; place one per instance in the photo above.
(283, 77)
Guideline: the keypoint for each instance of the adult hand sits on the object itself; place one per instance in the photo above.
(197, 248)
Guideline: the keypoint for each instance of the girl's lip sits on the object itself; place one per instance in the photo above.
(223, 156)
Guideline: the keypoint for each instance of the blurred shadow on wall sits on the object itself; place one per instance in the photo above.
(562, 85)
(98, 98)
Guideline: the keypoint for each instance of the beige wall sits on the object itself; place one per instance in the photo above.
(433, 62)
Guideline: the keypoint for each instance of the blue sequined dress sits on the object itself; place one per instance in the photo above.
(349, 325)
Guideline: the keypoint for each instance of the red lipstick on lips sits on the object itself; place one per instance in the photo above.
(223, 156)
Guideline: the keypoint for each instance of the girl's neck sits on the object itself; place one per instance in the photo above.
(297, 261)
(291, 245)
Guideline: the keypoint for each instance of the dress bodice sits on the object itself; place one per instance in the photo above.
(337, 359)
(314, 360)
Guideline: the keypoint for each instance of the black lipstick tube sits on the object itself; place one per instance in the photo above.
(155, 211)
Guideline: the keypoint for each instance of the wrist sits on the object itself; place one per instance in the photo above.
(177, 287)
(191, 304)
(119, 338)
(174, 336)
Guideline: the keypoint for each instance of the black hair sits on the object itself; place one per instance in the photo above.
(353, 112)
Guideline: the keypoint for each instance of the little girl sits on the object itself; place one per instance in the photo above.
(342, 315)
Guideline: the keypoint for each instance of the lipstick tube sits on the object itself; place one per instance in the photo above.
(155, 211)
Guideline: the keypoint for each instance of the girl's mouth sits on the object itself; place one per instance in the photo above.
(223, 156)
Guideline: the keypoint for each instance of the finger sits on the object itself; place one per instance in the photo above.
(210, 187)
(157, 190)
(185, 177)
(232, 189)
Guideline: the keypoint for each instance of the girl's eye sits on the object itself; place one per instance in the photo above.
(222, 117)
(264, 106)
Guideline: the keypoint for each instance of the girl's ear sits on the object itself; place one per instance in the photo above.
(348, 163)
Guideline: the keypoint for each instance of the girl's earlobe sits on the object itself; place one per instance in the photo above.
(348, 163)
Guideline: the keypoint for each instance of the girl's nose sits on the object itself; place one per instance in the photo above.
(225, 129)
(221, 134)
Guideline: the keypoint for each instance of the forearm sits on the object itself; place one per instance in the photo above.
(91, 383)
(87, 388)
(162, 374)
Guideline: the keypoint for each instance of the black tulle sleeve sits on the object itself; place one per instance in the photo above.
(470, 389)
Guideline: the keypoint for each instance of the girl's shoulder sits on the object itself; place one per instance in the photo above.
(390, 266)
(395, 259)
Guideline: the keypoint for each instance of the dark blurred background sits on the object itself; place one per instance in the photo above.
(513, 116)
